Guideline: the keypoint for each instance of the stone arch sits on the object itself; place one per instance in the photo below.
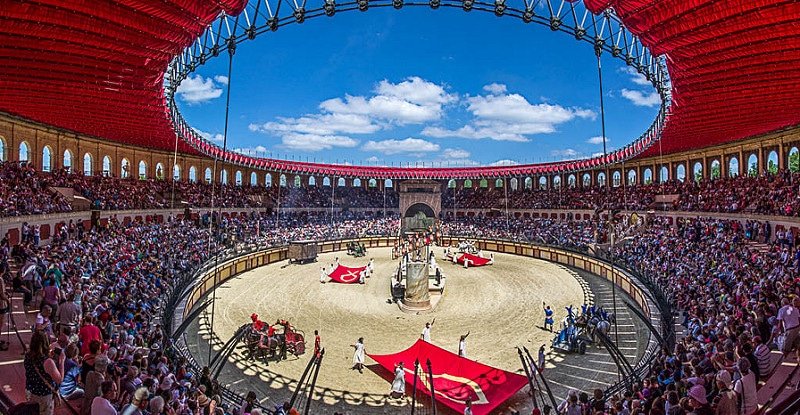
(557, 181)
(601, 179)
(529, 183)
(716, 170)
(223, 177)
(356, 182)
(208, 175)
(647, 176)
(468, 184)
(298, 181)
(616, 179)
(142, 170)
(267, 180)
(793, 160)
(772, 162)
(24, 151)
(326, 181)
(341, 182)
(67, 162)
(542, 183)
(312, 181)
(483, 183)
(282, 180)
(752, 165)
(253, 179)
(47, 159)
(631, 177)
(733, 167)
(238, 178)
(663, 175)
(192, 174)
(572, 181)
(88, 164)
(697, 171)
(586, 180)
(372, 183)
(2, 148)
(388, 183)
(451, 184)
(680, 172)
(159, 171)
(125, 168)
(107, 166)
(514, 183)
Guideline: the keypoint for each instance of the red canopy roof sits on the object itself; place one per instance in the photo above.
(97, 67)
(733, 65)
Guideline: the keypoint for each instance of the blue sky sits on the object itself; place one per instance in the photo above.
(440, 86)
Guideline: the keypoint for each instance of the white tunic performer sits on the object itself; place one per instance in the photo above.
(323, 276)
(358, 355)
(399, 382)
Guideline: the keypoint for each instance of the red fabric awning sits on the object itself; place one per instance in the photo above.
(456, 378)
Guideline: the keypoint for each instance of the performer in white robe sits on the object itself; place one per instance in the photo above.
(323, 276)
(358, 355)
(370, 267)
(362, 276)
(399, 382)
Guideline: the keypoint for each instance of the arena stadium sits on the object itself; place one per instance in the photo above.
(207, 207)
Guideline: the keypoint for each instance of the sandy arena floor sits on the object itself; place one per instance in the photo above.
(501, 305)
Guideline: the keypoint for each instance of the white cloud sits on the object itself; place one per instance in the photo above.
(218, 138)
(412, 101)
(315, 142)
(636, 77)
(250, 150)
(567, 153)
(598, 154)
(221, 79)
(373, 159)
(408, 145)
(597, 140)
(642, 99)
(509, 117)
(197, 89)
(495, 88)
(505, 162)
(455, 153)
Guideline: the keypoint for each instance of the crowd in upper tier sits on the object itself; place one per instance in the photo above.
(25, 191)
(100, 294)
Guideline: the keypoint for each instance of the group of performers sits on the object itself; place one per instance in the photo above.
(592, 322)
(453, 253)
(324, 273)
(272, 339)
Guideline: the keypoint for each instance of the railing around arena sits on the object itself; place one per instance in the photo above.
(641, 288)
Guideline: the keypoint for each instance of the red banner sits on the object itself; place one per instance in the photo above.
(346, 275)
(455, 378)
(474, 260)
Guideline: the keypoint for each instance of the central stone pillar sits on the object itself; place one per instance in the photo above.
(417, 296)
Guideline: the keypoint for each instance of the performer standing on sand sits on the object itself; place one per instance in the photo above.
(399, 382)
(358, 355)
(548, 316)
(426, 332)
(462, 345)
(323, 276)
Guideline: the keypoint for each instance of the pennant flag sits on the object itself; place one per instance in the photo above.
(474, 260)
(455, 378)
(346, 275)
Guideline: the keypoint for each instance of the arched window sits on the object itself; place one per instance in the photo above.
(253, 179)
(326, 181)
(298, 181)
(356, 182)
(208, 176)
(282, 180)
(142, 170)
(223, 177)
(587, 180)
(498, 183)
(176, 173)
(793, 161)
(159, 171)
(268, 180)
(47, 159)
(601, 179)
(239, 180)
(528, 183)
(192, 174)
(647, 176)
(341, 182)
(125, 169)
(542, 183)
(451, 184)
(572, 181)
(468, 184)
(88, 168)
(514, 183)
(697, 171)
(772, 162)
(752, 165)
(23, 151)
(67, 161)
(557, 182)
(631, 177)
(715, 169)
(106, 166)
(388, 183)
(372, 183)
(733, 167)
(680, 172)
(483, 183)
(2, 149)
(663, 174)
(312, 181)
(616, 179)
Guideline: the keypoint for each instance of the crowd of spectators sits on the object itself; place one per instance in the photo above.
(100, 295)
(25, 191)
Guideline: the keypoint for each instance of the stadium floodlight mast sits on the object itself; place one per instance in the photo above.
(605, 32)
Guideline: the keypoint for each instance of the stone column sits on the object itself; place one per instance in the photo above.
(417, 296)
